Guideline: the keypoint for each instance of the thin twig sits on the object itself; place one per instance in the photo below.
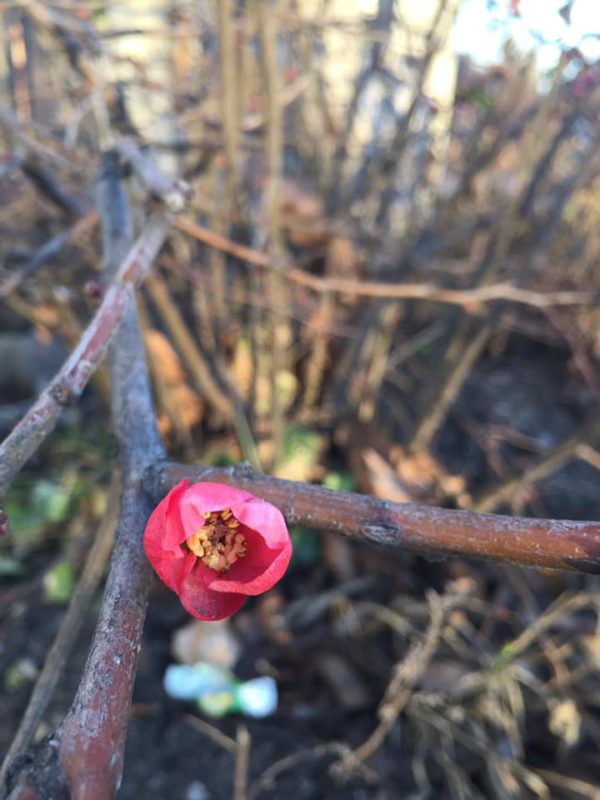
(267, 780)
(196, 364)
(217, 736)
(469, 298)
(557, 544)
(567, 603)
(316, 361)
(449, 390)
(83, 759)
(242, 763)
(574, 785)
(72, 378)
(401, 686)
(385, 168)
(229, 82)
(47, 251)
(549, 463)
(273, 336)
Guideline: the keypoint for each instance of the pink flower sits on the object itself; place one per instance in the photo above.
(214, 545)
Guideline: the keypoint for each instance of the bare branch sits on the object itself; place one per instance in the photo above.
(556, 544)
(390, 291)
(47, 251)
(174, 194)
(70, 382)
(546, 465)
(83, 759)
(92, 737)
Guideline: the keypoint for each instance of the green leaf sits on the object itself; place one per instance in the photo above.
(301, 451)
(19, 674)
(340, 481)
(482, 99)
(59, 583)
(52, 500)
(34, 505)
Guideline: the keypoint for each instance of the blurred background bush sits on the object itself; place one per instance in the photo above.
(330, 148)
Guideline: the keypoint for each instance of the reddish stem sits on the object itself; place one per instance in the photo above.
(83, 759)
(558, 544)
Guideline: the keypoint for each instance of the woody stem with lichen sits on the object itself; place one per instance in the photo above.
(83, 759)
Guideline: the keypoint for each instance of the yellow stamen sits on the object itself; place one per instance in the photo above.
(217, 543)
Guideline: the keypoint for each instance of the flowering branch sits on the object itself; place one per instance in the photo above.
(542, 543)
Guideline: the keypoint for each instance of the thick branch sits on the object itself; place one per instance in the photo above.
(93, 734)
(70, 382)
(557, 544)
(83, 759)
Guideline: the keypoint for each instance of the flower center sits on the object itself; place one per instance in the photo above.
(218, 543)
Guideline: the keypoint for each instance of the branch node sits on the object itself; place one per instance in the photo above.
(38, 773)
(153, 480)
(63, 394)
(244, 470)
(382, 531)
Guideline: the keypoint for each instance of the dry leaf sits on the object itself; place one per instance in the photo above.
(303, 216)
(382, 479)
(181, 405)
(565, 722)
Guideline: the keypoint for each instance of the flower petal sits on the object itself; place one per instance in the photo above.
(163, 535)
(205, 593)
(268, 554)
(174, 532)
(264, 518)
(206, 497)
(202, 603)
(262, 582)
